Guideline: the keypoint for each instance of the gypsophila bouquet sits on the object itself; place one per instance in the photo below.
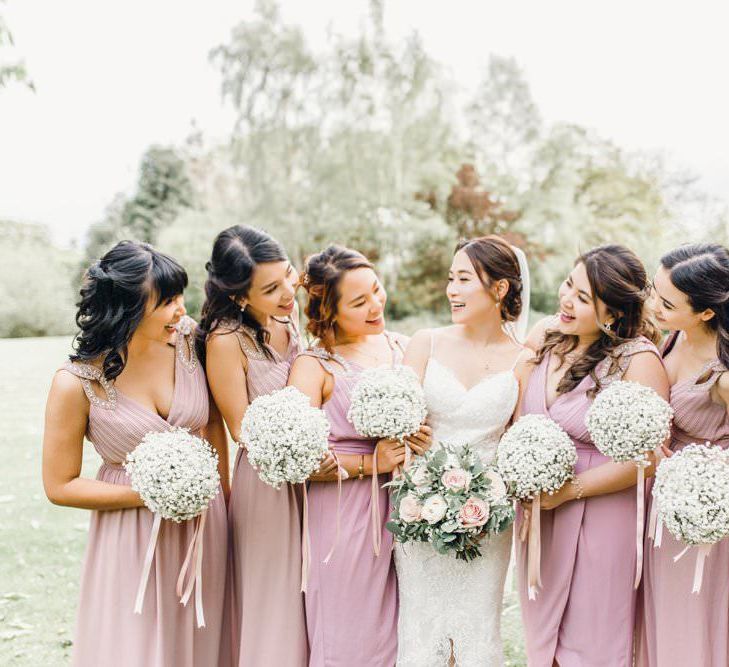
(387, 402)
(451, 498)
(627, 420)
(286, 437)
(535, 455)
(175, 473)
(691, 493)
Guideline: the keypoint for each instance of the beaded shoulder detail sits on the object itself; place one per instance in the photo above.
(707, 377)
(88, 374)
(326, 358)
(615, 366)
(185, 343)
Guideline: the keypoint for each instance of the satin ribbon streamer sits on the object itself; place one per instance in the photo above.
(702, 551)
(639, 524)
(530, 529)
(194, 555)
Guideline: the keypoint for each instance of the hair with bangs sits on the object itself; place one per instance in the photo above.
(114, 296)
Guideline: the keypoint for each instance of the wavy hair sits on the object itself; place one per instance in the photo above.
(114, 295)
(236, 253)
(321, 278)
(617, 278)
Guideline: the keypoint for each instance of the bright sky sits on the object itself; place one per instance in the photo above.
(114, 77)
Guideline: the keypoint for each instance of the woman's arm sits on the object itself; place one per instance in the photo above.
(308, 376)
(226, 366)
(215, 434)
(647, 369)
(67, 414)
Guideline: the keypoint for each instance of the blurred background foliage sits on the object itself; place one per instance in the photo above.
(367, 144)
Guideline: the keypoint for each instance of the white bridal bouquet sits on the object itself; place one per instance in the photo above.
(691, 496)
(626, 421)
(451, 498)
(535, 456)
(286, 437)
(175, 473)
(387, 402)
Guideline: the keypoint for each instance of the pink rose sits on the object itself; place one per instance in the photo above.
(410, 509)
(456, 479)
(475, 512)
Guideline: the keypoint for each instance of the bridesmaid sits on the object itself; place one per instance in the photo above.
(691, 299)
(583, 615)
(248, 339)
(134, 371)
(351, 602)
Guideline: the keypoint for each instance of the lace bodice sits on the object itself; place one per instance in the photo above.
(475, 416)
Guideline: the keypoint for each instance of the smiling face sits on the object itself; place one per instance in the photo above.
(577, 316)
(470, 300)
(158, 322)
(272, 290)
(361, 305)
(671, 306)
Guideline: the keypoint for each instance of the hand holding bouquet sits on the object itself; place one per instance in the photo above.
(450, 498)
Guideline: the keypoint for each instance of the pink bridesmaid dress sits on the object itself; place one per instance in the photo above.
(351, 602)
(165, 634)
(677, 628)
(264, 575)
(583, 615)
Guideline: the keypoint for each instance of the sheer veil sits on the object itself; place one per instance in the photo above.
(518, 330)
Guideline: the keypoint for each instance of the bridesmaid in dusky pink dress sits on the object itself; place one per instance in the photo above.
(351, 601)
(248, 338)
(135, 370)
(583, 615)
(691, 298)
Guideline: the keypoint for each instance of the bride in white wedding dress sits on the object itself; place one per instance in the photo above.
(450, 610)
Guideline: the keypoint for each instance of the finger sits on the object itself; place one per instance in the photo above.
(418, 450)
(426, 430)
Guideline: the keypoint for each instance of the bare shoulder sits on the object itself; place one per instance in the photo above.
(223, 342)
(67, 391)
(307, 364)
(539, 331)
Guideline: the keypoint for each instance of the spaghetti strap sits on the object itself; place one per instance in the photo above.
(432, 344)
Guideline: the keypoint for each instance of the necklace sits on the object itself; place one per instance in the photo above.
(377, 357)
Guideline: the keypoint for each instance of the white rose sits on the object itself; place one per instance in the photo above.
(419, 475)
(498, 488)
(434, 509)
(410, 509)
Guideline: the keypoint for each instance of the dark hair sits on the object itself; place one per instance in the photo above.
(701, 272)
(321, 279)
(618, 278)
(494, 259)
(114, 295)
(236, 253)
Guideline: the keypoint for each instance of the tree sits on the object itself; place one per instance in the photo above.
(11, 69)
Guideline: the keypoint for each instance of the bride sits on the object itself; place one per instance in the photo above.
(450, 610)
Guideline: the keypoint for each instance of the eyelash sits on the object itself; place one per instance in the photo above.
(582, 299)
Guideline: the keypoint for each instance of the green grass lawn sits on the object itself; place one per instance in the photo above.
(41, 545)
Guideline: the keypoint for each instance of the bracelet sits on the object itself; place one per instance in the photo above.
(360, 470)
(580, 489)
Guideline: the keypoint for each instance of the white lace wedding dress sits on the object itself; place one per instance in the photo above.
(443, 599)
